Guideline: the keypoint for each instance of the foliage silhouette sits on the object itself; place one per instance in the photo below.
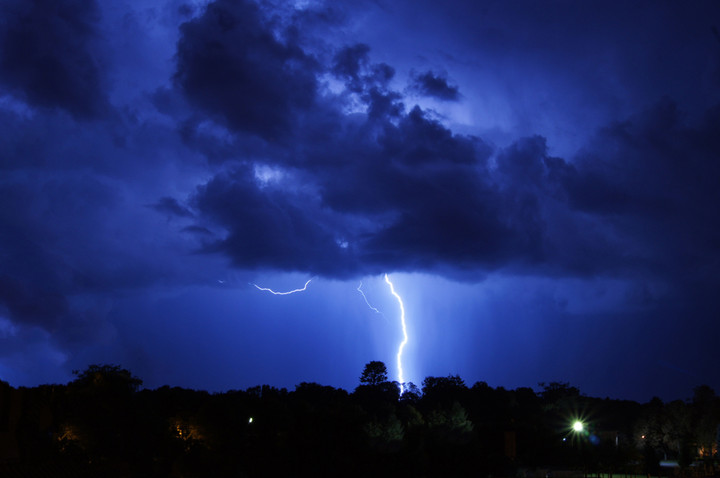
(374, 373)
(102, 424)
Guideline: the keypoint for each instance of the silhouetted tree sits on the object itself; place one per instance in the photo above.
(374, 373)
(100, 414)
(554, 392)
(706, 423)
(106, 379)
(411, 393)
(445, 390)
(677, 431)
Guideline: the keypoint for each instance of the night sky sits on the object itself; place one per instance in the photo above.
(540, 181)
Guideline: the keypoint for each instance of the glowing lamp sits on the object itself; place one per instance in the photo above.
(578, 426)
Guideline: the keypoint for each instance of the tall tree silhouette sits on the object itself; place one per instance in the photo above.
(374, 373)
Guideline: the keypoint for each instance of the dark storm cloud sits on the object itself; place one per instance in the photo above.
(650, 179)
(171, 206)
(30, 289)
(348, 62)
(72, 209)
(232, 65)
(398, 188)
(74, 194)
(650, 165)
(41, 254)
(403, 193)
(413, 196)
(46, 55)
(459, 230)
(430, 84)
(197, 230)
(419, 139)
(352, 64)
(49, 254)
(633, 202)
(267, 229)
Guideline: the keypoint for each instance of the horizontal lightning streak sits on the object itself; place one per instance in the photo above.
(405, 335)
(284, 293)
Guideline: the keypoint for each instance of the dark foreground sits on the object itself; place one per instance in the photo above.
(101, 424)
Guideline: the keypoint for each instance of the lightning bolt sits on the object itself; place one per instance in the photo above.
(405, 336)
(359, 289)
(284, 293)
(404, 342)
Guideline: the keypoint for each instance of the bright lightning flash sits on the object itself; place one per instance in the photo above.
(359, 289)
(284, 293)
(405, 336)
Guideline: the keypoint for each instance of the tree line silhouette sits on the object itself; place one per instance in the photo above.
(103, 424)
